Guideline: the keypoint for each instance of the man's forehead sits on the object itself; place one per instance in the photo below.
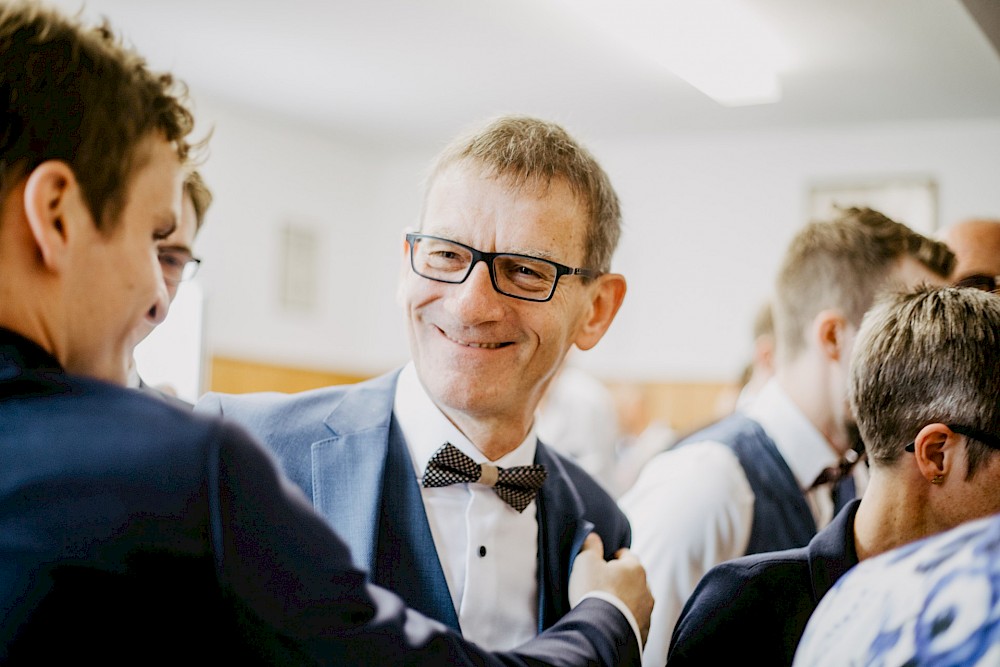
(976, 245)
(909, 273)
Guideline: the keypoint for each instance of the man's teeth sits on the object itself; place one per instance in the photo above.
(483, 346)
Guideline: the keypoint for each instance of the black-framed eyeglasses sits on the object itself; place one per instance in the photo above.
(980, 282)
(177, 264)
(970, 432)
(518, 276)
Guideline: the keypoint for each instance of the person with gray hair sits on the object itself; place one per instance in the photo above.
(434, 473)
(132, 531)
(768, 477)
(923, 389)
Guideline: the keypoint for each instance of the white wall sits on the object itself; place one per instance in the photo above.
(707, 219)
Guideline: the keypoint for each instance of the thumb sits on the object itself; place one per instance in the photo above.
(594, 544)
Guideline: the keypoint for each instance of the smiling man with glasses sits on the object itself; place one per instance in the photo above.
(177, 263)
(433, 474)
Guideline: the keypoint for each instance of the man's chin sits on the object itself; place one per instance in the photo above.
(140, 333)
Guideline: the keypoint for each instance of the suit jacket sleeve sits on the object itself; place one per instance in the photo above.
(291, 581)
(761, 601)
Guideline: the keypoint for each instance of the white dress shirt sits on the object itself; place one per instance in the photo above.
(692, 507)
(489, 551)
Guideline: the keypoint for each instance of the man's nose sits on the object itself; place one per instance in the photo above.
(157, 312)
(475, 301)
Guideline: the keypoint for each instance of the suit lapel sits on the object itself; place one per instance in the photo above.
(407, 561)
(832, 551)
(348, 468)
(347, 489)
(363, 482)
(561, 531)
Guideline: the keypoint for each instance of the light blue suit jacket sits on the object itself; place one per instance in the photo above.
(343, 447)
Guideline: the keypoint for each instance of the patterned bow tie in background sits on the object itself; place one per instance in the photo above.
(516, 486)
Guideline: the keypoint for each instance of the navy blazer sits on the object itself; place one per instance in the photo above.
(342, 446)
(186, 544)
(755, 608)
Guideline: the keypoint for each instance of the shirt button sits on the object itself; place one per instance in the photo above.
(482, 552)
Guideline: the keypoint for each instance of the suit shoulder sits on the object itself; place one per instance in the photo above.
(598, 506)
(260, 412)
(757, 572)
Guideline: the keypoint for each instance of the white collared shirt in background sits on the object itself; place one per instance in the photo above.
(692, 507)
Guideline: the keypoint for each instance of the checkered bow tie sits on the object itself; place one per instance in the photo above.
(516, 486)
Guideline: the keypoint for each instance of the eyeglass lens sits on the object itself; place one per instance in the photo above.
(177, 265)
(514, 275)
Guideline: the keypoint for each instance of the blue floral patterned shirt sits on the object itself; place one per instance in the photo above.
(933, 602)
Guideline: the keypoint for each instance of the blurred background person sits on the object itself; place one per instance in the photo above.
(761, 367)
(577, 418)
(643, 435)
(178, 263)
(769, 478)
(923, 372)
(976, 244)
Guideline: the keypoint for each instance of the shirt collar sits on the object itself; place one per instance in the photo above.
(425, 428)
(803, 447)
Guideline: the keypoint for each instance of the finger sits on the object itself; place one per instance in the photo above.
(593, 543)
(626, 555)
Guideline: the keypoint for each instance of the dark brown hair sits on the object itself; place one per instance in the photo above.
(77, 95)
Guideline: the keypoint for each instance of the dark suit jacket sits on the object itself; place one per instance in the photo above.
(163, 396)
(342, 446)
(186, 545)
(755, 608)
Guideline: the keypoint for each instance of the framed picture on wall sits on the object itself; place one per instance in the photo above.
(299, 268)
(910, 200)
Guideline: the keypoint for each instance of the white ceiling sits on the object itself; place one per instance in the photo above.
(409, 72)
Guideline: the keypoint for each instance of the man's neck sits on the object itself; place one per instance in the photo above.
(891, 513)
(494, 436)
(807, 387)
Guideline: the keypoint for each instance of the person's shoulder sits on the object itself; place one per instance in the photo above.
(263, 410)
(749, 575)
(745, 601)
(702, 474)
(99, 425)
(727, 430)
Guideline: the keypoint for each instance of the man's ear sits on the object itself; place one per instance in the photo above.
(607, 295)
(51, 198)
(830, 328)
(935, 449)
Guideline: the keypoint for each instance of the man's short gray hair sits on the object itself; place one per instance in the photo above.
(925, 357)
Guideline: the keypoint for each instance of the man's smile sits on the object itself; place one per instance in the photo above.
(475, 344)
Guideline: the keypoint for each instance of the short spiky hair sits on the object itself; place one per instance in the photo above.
(842, 264)
(77, 95)
(925, 357)
(527, 150)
